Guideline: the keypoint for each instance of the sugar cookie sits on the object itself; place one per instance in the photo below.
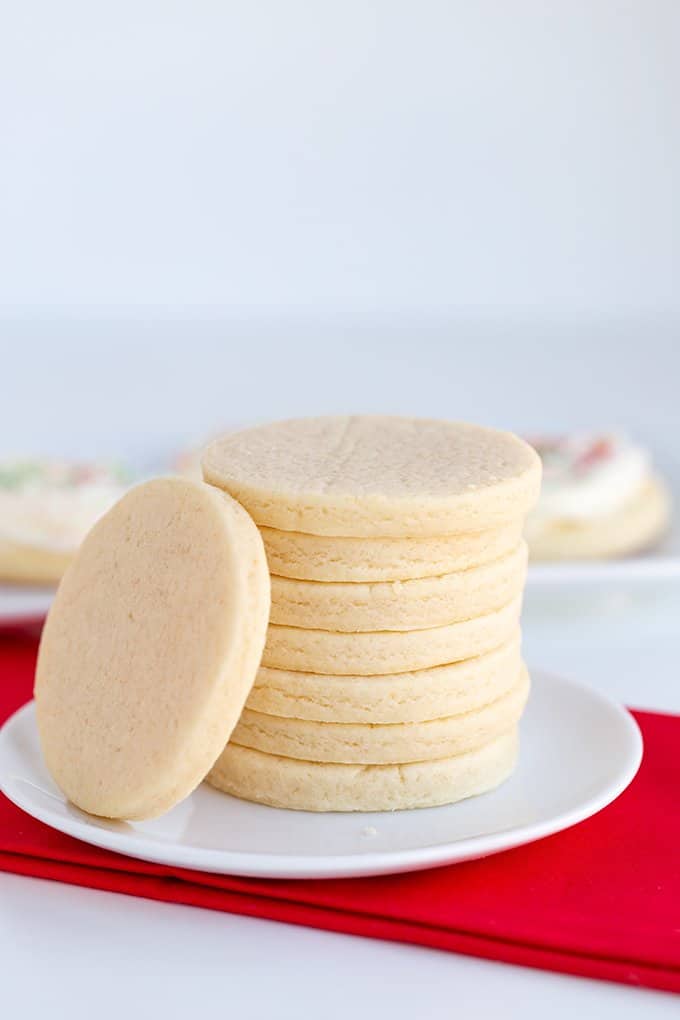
(376, 476)
(310, 786)
(600, 499)
(632, 528)
(46, 509)
(150, 648)
(396, 743)
(384, 651)
(399, 605)
(395, 698)
(27, 564)
(327, 558)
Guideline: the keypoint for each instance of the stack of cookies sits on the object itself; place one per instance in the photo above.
(392, 674)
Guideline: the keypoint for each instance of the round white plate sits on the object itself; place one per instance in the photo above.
(21, 605)
(579, 751)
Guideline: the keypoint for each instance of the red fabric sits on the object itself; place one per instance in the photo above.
(600, 900)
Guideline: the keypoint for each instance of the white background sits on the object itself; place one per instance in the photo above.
(352, 155)
(146, 389)
(215, 212)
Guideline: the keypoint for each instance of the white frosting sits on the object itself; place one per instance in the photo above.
(50, 508)
(579, 485)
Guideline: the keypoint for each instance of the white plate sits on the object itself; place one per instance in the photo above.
(20, 605)
(603, 572)
(579, 751)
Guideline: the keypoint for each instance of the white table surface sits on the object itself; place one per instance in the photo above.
(73, 952)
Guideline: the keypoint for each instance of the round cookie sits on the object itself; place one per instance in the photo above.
(633, 528)
(376, 476)
(150, 648)
(397, 743)
(396, 698)
(47, 506)
(328, 558)
(25, 564)
(399, 605)
(374, 652)
(312, 786)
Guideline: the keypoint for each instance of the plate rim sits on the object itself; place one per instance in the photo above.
(308, 866)
(561, 573)
(36, 599)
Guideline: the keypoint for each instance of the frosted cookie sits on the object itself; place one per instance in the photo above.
(327, 558)
(310, 786)
(376, 476)
(25, 564)
(633, 528)
(396, 743)
(599, 500)
(374, 652)
(150, 648)
(395, 698)
(46, 509)
(399, 605)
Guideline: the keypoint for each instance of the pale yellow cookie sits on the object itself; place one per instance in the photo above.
(47, 506)
(327, 558)
(311, 786)
(385, 651)
(396, 743)
(376, 476)
(150, 648)
(395, 698)
(399, 605)
(633, 528)
(25, 564)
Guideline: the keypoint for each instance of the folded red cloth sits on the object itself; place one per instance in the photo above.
(601, 900)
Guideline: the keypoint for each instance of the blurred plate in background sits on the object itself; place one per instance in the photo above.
(22, 605)
(658, 564)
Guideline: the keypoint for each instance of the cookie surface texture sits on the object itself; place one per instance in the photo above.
(376, 476)
(310, 786)
(371, 653)
(393, 698)
(327, 558)
(400, 605)
(150, 648)
(397, 743)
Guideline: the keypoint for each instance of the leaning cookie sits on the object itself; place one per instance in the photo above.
(150, 648)
(600, 500)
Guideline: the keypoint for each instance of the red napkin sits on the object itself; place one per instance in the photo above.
(601, 900)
